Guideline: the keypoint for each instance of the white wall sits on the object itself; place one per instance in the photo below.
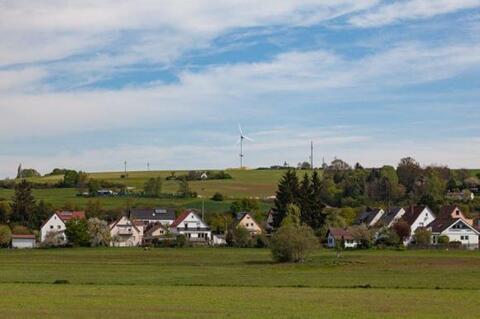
(54, 224)
(23, 243)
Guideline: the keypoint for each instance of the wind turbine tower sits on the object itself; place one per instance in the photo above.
(242, 137)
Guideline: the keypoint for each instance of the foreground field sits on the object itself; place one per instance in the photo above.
(237, 283)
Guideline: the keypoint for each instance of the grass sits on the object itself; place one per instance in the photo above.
(234, 283)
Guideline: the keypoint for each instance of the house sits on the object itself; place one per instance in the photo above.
(370, 217)
(23, 241)
(391, 216)
(456, 229)
(57, 223)
(416, 217)
(219, 240)
(124, 233)
(153, 215)
(192, 226)
(340, 236)
(246, 221)
(452, 211)
(155, 233)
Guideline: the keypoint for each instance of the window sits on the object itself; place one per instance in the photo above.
(58, 227)
(51, 226)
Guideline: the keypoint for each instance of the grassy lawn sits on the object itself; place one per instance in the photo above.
(237, 283)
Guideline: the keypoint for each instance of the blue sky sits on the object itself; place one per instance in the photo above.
(89, 84)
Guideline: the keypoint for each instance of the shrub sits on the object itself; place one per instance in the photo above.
(362, 235)
(387, 237)
(52, 239)
(443, 239)
(423, 236)
(99, 232)
(218, 197)
(77, 232)
(402, 228)
(239, 237)
(181, 241)
(293, 243)
(5, 236)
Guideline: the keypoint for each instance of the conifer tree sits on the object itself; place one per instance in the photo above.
(287, 193)
(317, 217)
(23, 203)
(306, 202)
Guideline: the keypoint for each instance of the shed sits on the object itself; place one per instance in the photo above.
(23, 241)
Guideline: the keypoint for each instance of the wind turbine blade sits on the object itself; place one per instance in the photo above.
(240, 129)
(248, 138)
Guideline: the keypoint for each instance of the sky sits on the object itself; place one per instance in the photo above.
(90, 84)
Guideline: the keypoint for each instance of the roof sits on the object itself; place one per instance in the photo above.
(65, 216)
(138, 223)
(340, 233)
(118, 220)
(23, 236)
(441, 224)
(447, 211)
(390, 215)
(181, 218)
(367, 216)
(412, 213)
(152, 213)
(149, 232)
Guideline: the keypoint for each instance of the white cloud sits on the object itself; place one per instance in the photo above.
(399, 11)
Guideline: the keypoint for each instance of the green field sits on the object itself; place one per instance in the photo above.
(237, 283)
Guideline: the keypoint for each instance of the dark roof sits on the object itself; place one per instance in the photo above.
(440, 224)
(390, 215)
(340, 233)
(446, 211)
(367, 216)
(152, 214)
(412, 213)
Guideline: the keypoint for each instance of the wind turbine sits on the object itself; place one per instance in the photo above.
(242, 137)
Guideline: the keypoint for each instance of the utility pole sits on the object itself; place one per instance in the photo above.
(148, 166)
(311, 155)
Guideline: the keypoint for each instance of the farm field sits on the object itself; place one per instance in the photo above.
(237, 283)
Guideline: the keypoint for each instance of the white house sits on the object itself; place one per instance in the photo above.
(56, 223)
(192, 226)
(417, 216)
(246, 221)
(340, 236)
(124, 233)
(23, 241)
(456, 229)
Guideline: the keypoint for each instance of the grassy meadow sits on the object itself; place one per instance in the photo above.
(237, 283)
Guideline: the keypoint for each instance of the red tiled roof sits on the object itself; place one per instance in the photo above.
(65, 216)
(23, 236)
(340, 233)
(180, 218)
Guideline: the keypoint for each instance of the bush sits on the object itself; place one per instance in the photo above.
(52, 240)
(293, 243)
(77, 232)
(423, 236)
(387, 237)
(443, 239)
(99, 232)
(181, 241)
(5, 236)
(239, 237)
(362, 235)
(218, 197)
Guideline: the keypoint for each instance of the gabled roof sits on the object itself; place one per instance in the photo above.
(413, 212)
(65, 216)
(152, 213)
(24, 236)
(181, 218)
(448, 210)
(240, 216)
(128, 220)
(389, 216)
(340, 233)
(367, 216)
(149, 232)
(441, 224)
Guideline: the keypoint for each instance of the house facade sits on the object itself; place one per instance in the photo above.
(417, 217)
(246, 221)
(57, 224)
(155, 233)
(456, 229)
(192, 226)
(452, 211)
(340, 236)
(124, 233)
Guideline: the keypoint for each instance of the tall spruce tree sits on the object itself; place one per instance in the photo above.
(317, 217)
(23, 203)
(287, 193)
(306, 200)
